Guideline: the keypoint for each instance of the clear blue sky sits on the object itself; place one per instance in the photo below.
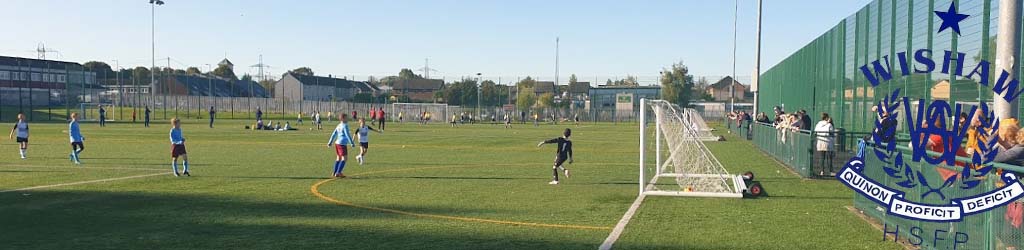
(599, 39)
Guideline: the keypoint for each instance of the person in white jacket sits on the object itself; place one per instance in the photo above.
(823, 133)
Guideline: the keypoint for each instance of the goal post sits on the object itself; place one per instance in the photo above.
(689, 168)
(697, 123)
(413, 111)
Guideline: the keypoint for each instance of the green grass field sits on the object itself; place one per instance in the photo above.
(423, 187)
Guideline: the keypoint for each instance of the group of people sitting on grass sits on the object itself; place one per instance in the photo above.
(272, 126)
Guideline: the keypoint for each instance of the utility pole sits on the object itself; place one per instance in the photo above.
(120, 90)
(556, 62)
(479, 85)
(152, 73)
(209, 78)
(732, 87)
(757, 61)
(167, 90)
(1007, 53)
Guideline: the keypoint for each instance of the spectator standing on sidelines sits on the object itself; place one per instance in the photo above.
(103, 117)
(212, 114)
(381, 118)
(146, 116)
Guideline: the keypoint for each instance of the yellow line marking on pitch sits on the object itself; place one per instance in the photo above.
(315, 189)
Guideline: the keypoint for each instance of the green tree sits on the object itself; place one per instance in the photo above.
(247, 78)
(461, 93)
(102, 69)
(572, 79)
(677, 84)
(628, 81)
(193, 71)
(526, 98)
(489, 93)
(302, 71)
(546, 100)
(225, 72)
(269, 84)
(388, 80)
(141, 74)
(406, 74)
(527, 82)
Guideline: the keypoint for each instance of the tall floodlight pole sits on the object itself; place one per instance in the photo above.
(152, 73)
(120, 90)
(757, 60)
(1007, 53)
(479, 85)
(209, 78)
(732, 86)
(556, 62)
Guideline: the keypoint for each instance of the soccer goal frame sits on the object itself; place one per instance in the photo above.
(701, 128)
(697, 171)
(411, 111)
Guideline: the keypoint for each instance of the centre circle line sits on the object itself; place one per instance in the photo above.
(315, 189)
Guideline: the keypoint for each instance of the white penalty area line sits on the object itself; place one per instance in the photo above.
(82, 182)
(76, 167)
(619, 228)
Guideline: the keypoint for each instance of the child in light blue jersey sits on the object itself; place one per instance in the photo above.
(178, 148)
(340, 139)
(76, 139)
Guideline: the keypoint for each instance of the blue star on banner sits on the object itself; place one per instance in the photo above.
(950, 19)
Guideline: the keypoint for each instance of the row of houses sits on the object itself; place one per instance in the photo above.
(48, 77)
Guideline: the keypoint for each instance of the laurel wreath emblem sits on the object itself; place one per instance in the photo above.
(897, 167)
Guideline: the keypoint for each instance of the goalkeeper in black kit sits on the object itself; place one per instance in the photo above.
(564, 153)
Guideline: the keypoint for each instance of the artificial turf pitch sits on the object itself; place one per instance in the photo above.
(422, 187)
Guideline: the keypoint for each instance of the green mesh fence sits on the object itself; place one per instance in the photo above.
(824, 77)
(741, 129)
(793, 148)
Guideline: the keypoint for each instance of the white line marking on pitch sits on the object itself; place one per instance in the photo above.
(82, 182)
(619, 228)
(77, 167)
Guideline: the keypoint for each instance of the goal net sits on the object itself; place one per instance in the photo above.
(418, 112)
(689, 169)
(696, 122)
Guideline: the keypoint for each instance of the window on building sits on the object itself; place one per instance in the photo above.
(36, 77)
(5, 75)
(62, 78)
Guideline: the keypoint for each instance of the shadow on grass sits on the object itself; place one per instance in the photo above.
(793, 197)
(30, 171)
(122, 220)
(277, 177)
(450, 178)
